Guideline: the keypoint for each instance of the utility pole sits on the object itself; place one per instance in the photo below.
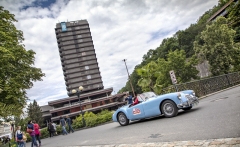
(124, 60)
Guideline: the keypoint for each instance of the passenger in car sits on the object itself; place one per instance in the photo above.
(136, 101)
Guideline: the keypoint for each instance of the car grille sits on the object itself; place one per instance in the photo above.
(191, 99)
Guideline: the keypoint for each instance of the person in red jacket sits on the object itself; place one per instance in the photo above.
(135, 100)
(37, 132)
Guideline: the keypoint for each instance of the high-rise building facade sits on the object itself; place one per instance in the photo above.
(78, 57)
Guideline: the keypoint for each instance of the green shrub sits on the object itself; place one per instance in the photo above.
(44, 133)
(92, 119)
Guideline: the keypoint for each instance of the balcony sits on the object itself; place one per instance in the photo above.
(90, 109)
(85, 95)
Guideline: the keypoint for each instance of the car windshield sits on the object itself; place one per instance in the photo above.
(146, 95)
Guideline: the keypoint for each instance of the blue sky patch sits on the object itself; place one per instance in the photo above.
(40, 3)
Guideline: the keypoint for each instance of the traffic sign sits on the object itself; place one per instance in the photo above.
(173, 77)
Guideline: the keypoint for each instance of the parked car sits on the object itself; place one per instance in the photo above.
(151, 105)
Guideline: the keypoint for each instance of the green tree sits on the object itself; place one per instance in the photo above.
(167, 44)
(20, 121)
(34, 112)
(155, 75)
(17, 72)
(147, 74)
(234, 19)
(219, 47)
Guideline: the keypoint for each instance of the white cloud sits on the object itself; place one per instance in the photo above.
(121, 29)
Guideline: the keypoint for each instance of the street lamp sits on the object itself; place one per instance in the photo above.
(78, 92)
(124, 60)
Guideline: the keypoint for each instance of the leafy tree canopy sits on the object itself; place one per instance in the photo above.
(219, 47)
(17, 72)
(155, 75)
(234, 19)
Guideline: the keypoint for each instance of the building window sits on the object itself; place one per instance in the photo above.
(86, 67)
(89, 77)
(80, 40)
(83, 53)
(78, 50)
(79, 36)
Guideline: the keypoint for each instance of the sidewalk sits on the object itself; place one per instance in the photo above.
(226, 142)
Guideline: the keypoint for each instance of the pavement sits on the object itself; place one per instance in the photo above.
(226, 142)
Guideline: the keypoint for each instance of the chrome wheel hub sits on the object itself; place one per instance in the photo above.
(122, 119)
(168, 108)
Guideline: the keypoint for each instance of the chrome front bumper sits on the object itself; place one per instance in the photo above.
(191, 101)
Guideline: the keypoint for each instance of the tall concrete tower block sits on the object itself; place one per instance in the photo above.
(78, 57)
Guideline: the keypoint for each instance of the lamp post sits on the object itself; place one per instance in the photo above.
(124, 60)
(78, 92)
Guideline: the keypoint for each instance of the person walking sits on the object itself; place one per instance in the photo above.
(63, 124)
(69, 122)
(50, 129)
(19, 137)
(30, 130)
(37, 132)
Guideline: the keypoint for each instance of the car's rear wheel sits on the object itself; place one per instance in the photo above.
(169, 108)
(122, 119)
(185, 109)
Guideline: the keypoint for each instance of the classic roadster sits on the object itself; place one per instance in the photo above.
(151, 105)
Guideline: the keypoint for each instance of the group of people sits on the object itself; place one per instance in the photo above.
(63, 122)
(34, 131)
(132, 100)
(52, 129)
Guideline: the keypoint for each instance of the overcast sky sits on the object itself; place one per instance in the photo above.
(121, 29)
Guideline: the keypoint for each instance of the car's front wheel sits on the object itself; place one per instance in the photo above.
(169, 108)
(122, 119)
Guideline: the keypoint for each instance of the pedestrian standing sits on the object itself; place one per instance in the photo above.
(19, 137)
(55, 128)
(30, 130)
(50, 129)
(69, 122)
(37, 132)
(63, 124)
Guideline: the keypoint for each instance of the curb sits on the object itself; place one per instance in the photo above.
(226, 142)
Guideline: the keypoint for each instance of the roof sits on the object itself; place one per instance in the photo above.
(46, 108)
(220, 10)
(84, 95)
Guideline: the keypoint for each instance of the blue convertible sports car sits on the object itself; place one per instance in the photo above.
(151, 105)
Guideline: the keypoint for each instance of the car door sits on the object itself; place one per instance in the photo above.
(136, 112)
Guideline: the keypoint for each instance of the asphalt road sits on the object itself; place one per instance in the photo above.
(216, 116)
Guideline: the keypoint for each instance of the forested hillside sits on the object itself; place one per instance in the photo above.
(216, 42)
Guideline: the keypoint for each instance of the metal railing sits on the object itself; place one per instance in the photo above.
(208, 85)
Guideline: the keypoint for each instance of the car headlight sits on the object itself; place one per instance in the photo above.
(193, 93)
(179, 96)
